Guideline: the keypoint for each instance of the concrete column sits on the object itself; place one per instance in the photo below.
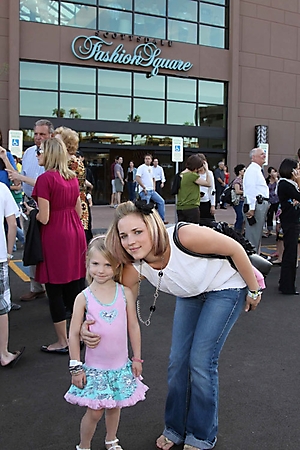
(13, 61)
(234, 80)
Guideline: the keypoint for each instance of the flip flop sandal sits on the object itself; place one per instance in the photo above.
(78, 448)
(166, 442)
(18, 354)
(190, 447)
(114, 445)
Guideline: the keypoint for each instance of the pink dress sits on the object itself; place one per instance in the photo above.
(110, 381)
(63, 238)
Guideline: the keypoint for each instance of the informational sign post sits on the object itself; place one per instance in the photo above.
(177, 149)
(265, 148)
(15, 142)
(177, 157)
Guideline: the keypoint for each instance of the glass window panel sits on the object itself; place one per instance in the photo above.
(77, 79)
(191, 142)
(117, 4)
(87, 2)
(27, 134)
(211, 92)
(157, 8)
(161, 141)
(183, 9)
(211, 116)
(213, 15)
(78, 106)
(182, 31)
(212, 37)
(181, 113)
(37, 103)
(116, 21)
(153, 87)
(80, 16)
(114, 82)
(105, 138)
(212, 143)
(151, 111)
(181, 89)
(114, 108)
(149, 26)
(42, 11)
(219, 2)
(38, 76)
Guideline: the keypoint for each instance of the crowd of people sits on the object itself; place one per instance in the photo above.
(96, 280)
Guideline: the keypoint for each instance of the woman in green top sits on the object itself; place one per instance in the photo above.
(188, 199)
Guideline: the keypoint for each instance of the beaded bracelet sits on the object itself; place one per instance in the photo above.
(137, 360)
(254, 294)
(76, 370)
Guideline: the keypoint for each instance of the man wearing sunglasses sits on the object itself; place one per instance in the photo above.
(43, 129)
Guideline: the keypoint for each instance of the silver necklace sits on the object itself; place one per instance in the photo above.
(152, 308)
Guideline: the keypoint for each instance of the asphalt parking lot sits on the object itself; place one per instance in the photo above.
(259, 378)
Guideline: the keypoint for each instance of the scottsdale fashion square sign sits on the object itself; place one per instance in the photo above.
(144, 55)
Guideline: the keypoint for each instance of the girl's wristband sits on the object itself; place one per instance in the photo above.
(74, 362)
(137, 360)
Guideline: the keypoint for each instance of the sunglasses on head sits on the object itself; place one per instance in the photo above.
(39, 151)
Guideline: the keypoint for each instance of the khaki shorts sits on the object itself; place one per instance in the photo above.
(119, 185)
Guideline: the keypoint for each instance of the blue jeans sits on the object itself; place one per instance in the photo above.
(131, 190)
(201, 326)
(156, 198)
(238, 226)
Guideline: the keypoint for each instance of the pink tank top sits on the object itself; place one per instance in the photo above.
(111, 325)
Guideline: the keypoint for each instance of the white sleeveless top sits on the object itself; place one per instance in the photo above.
(187, 276)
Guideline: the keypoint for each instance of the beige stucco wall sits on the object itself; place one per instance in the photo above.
(4, 67)
(269, 76)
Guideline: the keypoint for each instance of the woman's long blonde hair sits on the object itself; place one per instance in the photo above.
(56, 157)
(157, 231)
(69, 137)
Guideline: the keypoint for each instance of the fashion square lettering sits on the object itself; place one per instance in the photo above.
(145, 55)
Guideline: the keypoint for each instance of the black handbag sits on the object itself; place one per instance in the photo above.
(33, 253)
(260, 263)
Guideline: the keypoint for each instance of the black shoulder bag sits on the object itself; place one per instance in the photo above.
(261, 264)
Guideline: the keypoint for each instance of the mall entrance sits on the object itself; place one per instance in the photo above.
(99, 162)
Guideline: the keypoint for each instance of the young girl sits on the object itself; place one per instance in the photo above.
(107, 381)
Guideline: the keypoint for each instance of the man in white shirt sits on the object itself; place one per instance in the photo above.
(146, 181)
(159, 175)
(8, 211)
(43, 129)
(256, 195)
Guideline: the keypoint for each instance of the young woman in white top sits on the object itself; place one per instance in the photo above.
(210, 296)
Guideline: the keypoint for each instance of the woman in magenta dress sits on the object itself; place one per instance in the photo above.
(62, 234)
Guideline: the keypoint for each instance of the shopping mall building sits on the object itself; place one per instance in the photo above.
(129, 75)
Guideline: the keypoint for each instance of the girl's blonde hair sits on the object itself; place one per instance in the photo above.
(69, 137)
(155, 226)
(98, 243)
(56, 158)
